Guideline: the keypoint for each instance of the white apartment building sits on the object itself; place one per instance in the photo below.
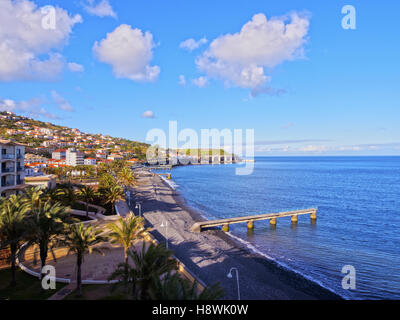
(12, 169)
(74, 158)
(59, 154)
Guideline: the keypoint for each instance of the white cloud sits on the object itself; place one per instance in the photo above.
(200, 82)
(148, 114)
(129, 52)
(75, 67)
(61, 102)
(240, 59)
(191, 44)
(27, 50)
(31, 107)
(102, 9)
(182, 80)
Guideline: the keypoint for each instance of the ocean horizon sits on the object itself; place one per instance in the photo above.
(357, 198)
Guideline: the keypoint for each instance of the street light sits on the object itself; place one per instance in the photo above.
(128, 195)
(229, 275)
(139, 206)
(166, 231)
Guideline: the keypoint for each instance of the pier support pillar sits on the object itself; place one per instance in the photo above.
(272, 222)
(225, 228)
(313, 216)
(250, 225)
(294, 219)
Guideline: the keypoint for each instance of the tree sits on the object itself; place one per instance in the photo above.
(32, 197)
(126, 177)
(45, 224)
(53, 195)
(86, 194)
(12, 228)
(81, 240)
(68, 195)
(126, 231)
(112, 195)
(148, 264)
(106, 180)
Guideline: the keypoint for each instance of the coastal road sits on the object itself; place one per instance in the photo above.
(211, 254)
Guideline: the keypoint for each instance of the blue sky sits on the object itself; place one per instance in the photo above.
(338, 92)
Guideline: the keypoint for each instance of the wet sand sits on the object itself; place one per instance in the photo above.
(211, 254)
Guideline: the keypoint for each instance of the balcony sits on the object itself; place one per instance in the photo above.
(8, 156)
(7, 184)
(19, 168)
(7, 170)
(20, 156)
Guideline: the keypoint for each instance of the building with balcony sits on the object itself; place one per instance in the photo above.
(59, 154)
(12, 167)
(74, 158)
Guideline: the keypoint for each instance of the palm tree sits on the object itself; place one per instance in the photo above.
(126, 177)
(45, 224)
(86, 194)
(32, 197)
(126, 231)
(68, 195)
(81, 240)
(106, 180)
(52, 195)
(112, 195)
(148, 264)
(12, 228)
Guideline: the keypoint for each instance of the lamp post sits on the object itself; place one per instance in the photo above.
(139, 206)
(229, 275)
(128, 195)
(166, 232)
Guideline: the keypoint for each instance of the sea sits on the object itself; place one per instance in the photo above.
(354, 247)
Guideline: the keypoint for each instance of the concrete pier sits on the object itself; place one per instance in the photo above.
(272, 217)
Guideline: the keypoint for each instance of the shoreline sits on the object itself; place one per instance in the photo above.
(268, 279)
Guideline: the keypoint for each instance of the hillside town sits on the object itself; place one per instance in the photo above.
(53, 146)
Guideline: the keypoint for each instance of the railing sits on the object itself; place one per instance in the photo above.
(19, 156)
(20, 168)
(5, 170)
(8, 156)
